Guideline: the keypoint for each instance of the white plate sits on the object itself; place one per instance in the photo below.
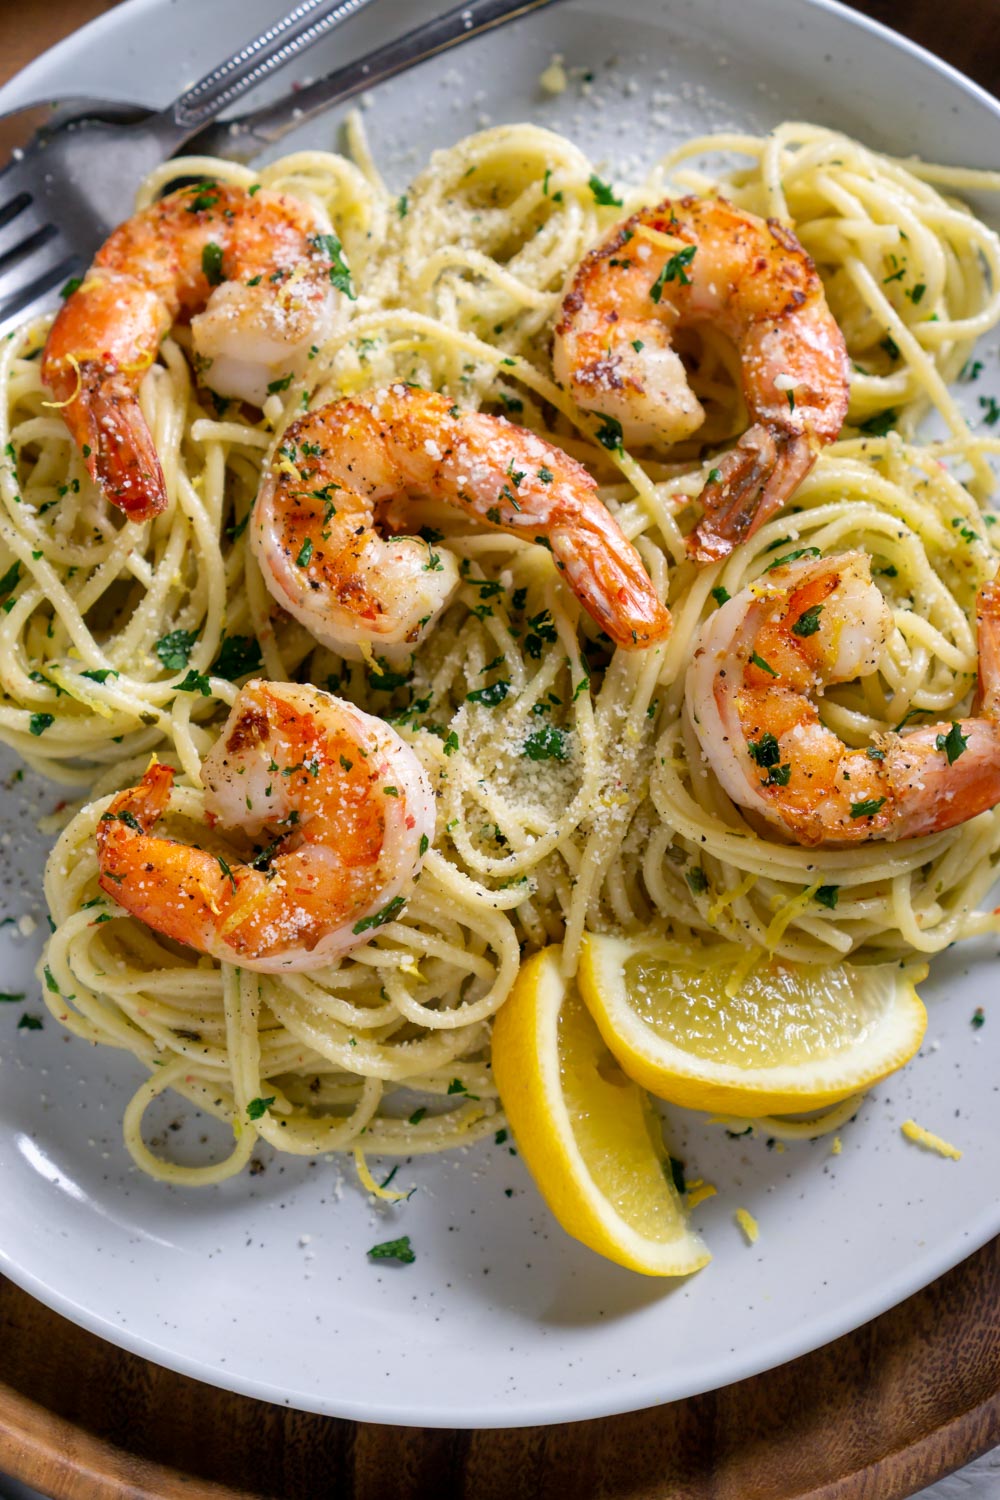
(502, 1319)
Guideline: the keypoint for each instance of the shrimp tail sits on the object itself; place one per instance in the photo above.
(611, 583)
(754, 479)
(134, 811)
(122, 459)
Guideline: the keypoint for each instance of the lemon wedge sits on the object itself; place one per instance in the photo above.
(588, 1133)
(794, 1037)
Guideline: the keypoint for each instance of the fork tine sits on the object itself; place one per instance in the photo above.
(41, 279)
(20, 219)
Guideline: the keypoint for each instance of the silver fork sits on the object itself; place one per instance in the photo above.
(64, 193)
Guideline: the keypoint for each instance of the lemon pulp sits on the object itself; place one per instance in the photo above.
(777, 1015)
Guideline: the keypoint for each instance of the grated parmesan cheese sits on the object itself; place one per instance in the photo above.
(926, 1138)
(553, 80)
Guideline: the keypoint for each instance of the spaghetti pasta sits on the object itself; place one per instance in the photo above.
(571, 797)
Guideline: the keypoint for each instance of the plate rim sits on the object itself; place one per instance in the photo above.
(603, 1402)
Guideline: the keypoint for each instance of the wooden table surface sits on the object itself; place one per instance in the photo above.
(874, 1416)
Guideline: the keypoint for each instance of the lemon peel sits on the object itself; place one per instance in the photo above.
(931, 1142)
(586, 1132)
(796, 1039)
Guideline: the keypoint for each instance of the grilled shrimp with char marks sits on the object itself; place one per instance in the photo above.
(345, 809)
(758, 666)
(255, 273)
(701, 260)
(358, 462)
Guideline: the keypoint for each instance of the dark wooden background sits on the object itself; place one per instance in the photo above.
(875, 1416)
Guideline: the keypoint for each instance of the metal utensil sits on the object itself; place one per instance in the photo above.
(243, 137)
(64, 193)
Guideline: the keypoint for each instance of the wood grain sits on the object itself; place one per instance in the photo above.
(871, 1417)
(874, 1416)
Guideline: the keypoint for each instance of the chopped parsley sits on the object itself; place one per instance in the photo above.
(275, 387)
(259, 1107)
(790, 557)
(603, 193)
(954, 743)
(890, 346)
(991, 410)
(238, 656)
(808, 621)
(305, 553)
(206, 196)
(100, 674)
(978, 1018)
(828, 896)
(38, 723)
(400, 1250)
(764, 666)
(195, 682)
(174, 648)
(129, 819)
(609, 434)
(697, 880)
(340, 274)
(765, 752)
(547, 743)
(402, 205)
(866, 809)
(211, 263)
(425, 844)
(30, 1023)
(880, 424)
(379, 918)
(451, 744)
(674, 270)
(72, 285)
(417, 1115)
(385, 680)
(489, 696)
(226, 871)
(721, 595)
(6, 998)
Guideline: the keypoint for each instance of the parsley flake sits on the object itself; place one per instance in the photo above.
(674, 270)
(400, 1250)
(954, 743)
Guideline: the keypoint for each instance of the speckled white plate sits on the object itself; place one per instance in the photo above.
(263, 1285)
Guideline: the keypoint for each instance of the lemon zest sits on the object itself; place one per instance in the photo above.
(733, 894)
(243, 909)
(749, 961)
(748, 1224)
(836, 1146)
(926, 1138)
(658, 237)
(698, 1192)
(58, 405)
(786, 913)
(388, 1195)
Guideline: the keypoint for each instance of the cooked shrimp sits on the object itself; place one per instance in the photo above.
(758, 665)
(340, 469)
(341, 803)
(700, 260)
(256, 274)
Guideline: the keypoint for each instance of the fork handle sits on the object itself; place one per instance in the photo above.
(271, 50)
(243, 137)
